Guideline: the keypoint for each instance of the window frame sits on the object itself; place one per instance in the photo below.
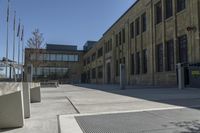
(159, 58)
(168, 9)
(144, 61)
(158, 12)
(137, 26)
(169, 51)
(144, 22)
(180, 6)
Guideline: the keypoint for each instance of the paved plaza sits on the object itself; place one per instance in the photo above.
(107, 109)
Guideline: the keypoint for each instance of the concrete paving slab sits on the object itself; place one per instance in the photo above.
(109, 98)
(44, 115)
(157, 121)
(68, 124)
(106, 99)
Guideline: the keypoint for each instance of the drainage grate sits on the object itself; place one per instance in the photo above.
(138, 122)
(118, 123)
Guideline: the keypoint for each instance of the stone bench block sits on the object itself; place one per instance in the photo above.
(35, 93)
(26, 99)
(11, 105)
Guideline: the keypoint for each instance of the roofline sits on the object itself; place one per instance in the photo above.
(121, 16)
(55, 50)
(61, 44)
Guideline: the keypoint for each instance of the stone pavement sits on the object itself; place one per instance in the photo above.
(145, 109)
(109, 98)
(44, 115)
(70, 102)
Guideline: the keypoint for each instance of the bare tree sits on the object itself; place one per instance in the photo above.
(36, 43)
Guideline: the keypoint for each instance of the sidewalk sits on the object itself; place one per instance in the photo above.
(88, 104)
(103, 107)
(44, 115)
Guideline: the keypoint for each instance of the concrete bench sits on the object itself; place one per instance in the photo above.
(50, 84)
(35, 93)
(26, 99)
(11, 105)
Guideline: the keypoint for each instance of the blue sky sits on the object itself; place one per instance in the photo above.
(62, 21)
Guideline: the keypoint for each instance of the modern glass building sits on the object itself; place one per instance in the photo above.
(56, 62)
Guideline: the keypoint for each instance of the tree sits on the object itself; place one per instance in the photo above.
(36, 43)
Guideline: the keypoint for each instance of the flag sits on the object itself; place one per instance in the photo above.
(14, 24)
(18, 30)
(8, 10)
(22, 36)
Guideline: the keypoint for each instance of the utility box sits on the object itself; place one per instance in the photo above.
(182, 75)
(194, 74)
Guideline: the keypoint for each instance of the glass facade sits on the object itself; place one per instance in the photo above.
(55, 57)
(47, 71)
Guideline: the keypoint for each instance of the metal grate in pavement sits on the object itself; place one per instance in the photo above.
(138, 122)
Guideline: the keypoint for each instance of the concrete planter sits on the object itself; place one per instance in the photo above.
(11, 105)
(26, 98)
(50, 84)
(35, 93)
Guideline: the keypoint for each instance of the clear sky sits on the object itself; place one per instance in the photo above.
(62, 21)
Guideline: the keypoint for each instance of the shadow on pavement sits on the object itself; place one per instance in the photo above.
(190, 126)
(189, 97)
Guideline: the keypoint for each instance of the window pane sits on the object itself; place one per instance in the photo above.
(132, 64)
(100, 72)
(183, 54)
(138, 63)
(52, 57)
(132, 29)
(169, 8)
(181, 5)
(59, 57)
(123, 36)
(65, 58)
(144, 23)
(144, 61)
(76, 58)
(170, 55)
(158, 8)
(46, 57)
(116, 39)
(159, 49)
(71, 57)
(137, 26)
(120, 38)
(46, 71)
(117, 67)
(93, 73)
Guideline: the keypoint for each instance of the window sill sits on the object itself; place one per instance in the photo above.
(158, 24)
(169, 19)
(180, 12)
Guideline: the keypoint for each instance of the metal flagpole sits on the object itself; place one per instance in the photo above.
(19, 41)
(14, 28)
(18, 35)
(7, 38)
(22, 39)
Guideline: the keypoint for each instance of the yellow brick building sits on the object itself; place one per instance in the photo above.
(150, 38)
